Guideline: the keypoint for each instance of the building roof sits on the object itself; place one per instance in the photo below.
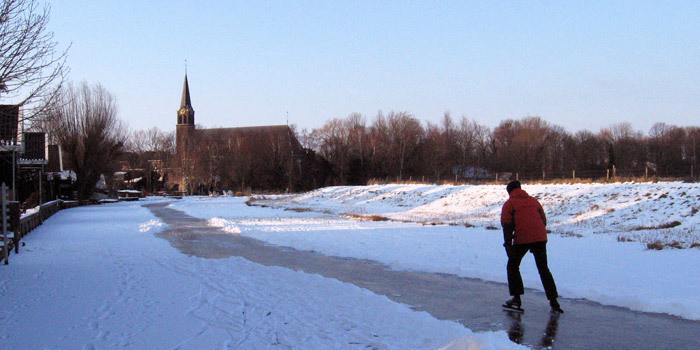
(279, 131)
(246, 129)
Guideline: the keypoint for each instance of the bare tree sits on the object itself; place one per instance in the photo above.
(441, 151)
(473, 143)
(151, 140)
(406, 134)
(673, 150)
(358, 148)
(334, 146)
(151, 151)
(587, 153)
(380, 143)
(85, 124)
(32, 69)
(627, 149)
(693, 148)
(433, 151)
(528, 146)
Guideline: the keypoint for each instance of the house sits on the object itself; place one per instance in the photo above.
(23, 159)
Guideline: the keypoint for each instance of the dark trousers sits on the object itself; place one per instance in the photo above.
(515, 256)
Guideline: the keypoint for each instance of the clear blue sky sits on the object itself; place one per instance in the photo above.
(581, 65)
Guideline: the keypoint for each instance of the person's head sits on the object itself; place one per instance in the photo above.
(512, 185)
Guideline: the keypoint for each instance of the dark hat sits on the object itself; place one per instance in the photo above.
(512, 185)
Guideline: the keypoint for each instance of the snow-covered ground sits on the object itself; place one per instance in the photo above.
(97, 277)
(456, 229)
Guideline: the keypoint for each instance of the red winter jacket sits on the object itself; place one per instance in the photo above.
(528, 216)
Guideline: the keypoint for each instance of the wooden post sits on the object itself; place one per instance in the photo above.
(614, 172)
(607, 174)
(3, 199)
(14, 213)
(41, 193)
(573, 175)
(496, 177)
(543, 175)
(14, 171)
(516, 177)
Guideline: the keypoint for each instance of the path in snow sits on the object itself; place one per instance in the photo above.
(474, 303)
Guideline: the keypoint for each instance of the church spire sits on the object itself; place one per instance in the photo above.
(185, 115)
(185, 101)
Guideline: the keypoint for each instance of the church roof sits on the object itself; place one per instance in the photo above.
(185, 101)
(277, 131)
(247, 129)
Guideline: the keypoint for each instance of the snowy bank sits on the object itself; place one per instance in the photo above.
(633, 210)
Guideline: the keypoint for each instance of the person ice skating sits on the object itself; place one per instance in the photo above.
(524, 222)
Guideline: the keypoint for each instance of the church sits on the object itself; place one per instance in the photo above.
(237, 159)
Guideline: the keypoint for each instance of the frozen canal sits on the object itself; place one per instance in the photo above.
(472, 302)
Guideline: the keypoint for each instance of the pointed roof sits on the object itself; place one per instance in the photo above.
(185, 101)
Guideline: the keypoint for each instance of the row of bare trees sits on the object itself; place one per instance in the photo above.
(150, 151)
(399, 146)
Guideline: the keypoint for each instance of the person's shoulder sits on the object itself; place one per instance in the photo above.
(534, 200)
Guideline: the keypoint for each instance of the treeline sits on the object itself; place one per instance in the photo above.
(398, 146)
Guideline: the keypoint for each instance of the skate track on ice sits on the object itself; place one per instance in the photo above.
(474, 303)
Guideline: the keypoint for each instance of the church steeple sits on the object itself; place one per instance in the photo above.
(185, 115)
(185, 101)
